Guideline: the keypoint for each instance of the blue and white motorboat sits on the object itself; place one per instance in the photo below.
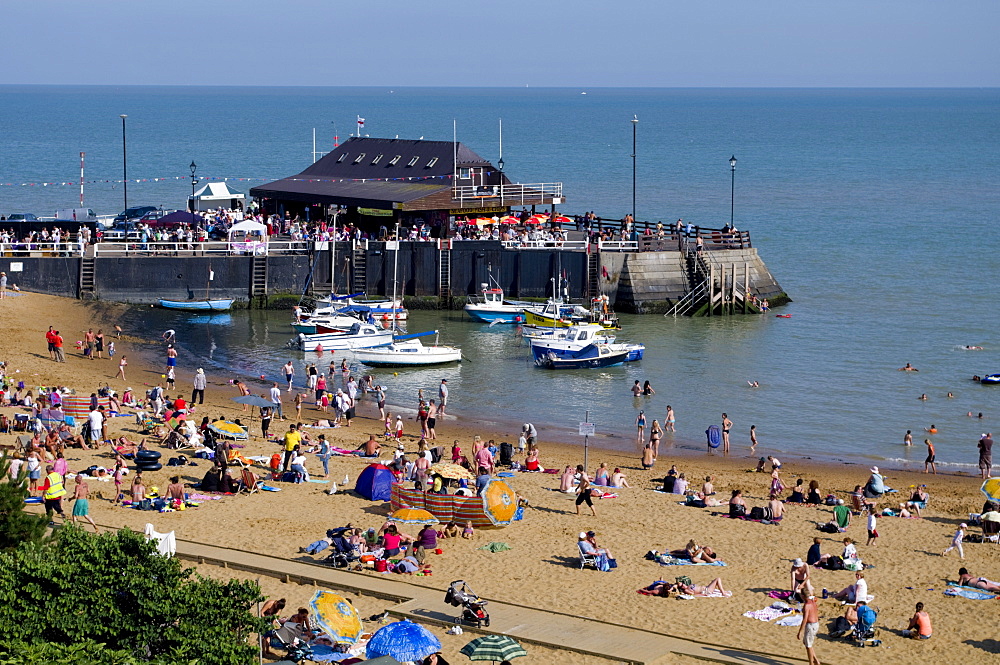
(490, 307)
(590, 357)
(359, 336)
(573, 341)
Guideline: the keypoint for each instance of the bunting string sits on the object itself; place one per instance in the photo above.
(76, 183)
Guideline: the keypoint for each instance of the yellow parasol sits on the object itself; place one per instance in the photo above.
(499, 502)
(452, 471)
(228, 428)
(413, 516)
(991, 488)
(336, 617)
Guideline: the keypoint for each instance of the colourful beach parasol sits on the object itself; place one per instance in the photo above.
(537, 219)
(452, 471)
(403, 640)
(493, 647)
(229, 429)
(499, 502)
(336, 617)
(562, 219)
(991, 488)
(413, 516)
(510, 219)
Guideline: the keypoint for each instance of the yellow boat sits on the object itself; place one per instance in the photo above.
(560, 315)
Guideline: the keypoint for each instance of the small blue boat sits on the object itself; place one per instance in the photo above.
(220, 305)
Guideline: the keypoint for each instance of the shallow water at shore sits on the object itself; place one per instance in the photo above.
(859, 410)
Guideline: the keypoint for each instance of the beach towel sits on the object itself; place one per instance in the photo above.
(780, 595)
(795, 620)
(972, 593)
(767, 614)
(495, 547)
(671, 561)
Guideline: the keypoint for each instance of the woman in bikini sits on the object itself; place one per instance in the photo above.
(965, 579)
(640, 423)
(669, 420)
(655, 432)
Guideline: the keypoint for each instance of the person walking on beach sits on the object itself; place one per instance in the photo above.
(199, 382)
(640, 424)
(669, 420)
(52, 492)
(289, 371)
(929, 462)
(872, 530)
(727, 425)
(276, 400)
(171, 356)
(99, 343)
(753, 437)
(121, 367)
(809, 628)
(986, 455)
(655, 432)
(3, 285)
(50, 340)
(956, 541)
(57, 346)
(583, 491)
(443, 397)
(88, 340)
(81, 501)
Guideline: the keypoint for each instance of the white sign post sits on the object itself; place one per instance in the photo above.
(587, 430)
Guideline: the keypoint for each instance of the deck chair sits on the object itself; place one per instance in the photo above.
(585, 558)
(251, 484)
(991, 531)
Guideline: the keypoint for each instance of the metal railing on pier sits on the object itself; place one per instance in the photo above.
(210, 248)
(514, 194)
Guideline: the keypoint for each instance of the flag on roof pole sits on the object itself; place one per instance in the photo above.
(361, 124)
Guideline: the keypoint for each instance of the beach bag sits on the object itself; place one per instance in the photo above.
(853, 565)
(834, 563)
(829, 527)
(684, 579)
(757, 513)
(381, 566)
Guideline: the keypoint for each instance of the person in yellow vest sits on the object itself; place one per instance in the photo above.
(52, 492)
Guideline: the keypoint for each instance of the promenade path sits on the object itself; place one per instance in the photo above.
(528, 625)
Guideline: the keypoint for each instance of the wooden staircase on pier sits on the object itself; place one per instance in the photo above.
(87, 282)
(714, 292)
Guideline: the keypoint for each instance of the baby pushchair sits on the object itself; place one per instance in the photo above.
(473, 614)
(343, 554)
(864, 629)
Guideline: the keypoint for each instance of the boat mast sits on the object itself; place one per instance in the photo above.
(395, 267)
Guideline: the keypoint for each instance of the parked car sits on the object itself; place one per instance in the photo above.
(134, 213)
(21, 217)
(77, 214)
(117, 232)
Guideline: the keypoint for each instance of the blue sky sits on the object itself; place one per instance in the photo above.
(729, 43)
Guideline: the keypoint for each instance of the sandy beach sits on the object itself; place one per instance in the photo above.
(540, 569)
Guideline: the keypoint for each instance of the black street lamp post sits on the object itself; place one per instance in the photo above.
(194, 183)
(635, 121)
(732, 189)
(124, 162)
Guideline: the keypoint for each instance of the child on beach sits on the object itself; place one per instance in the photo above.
(956, 541)
(872, 531)
(171, 376)
(468, 531)
(399, 428)
(111, 350)
(121, 367)
(753, 437)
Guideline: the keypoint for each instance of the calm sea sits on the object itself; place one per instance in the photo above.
(875, 209)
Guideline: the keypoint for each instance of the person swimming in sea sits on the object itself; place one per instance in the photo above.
(908, 368)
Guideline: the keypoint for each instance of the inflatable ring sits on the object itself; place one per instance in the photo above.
(149, 466)
(143, 455)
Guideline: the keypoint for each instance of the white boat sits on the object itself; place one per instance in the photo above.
(490, 307)
(408, 351)
(359, 336)
(574, 342)
(313, 323)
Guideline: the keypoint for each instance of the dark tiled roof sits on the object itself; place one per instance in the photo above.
(429, 158)
(371, 193)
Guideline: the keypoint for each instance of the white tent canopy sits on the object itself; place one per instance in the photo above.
(248, 226)
(217, 195)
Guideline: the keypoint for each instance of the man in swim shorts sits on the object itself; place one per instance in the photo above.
(809, 628)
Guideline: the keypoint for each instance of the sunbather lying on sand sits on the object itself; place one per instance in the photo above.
(695, 553)
(663, 589)
(965, 579)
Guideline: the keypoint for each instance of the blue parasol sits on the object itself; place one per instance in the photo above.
(403, 640)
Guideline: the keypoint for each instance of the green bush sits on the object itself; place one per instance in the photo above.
(116, 593)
